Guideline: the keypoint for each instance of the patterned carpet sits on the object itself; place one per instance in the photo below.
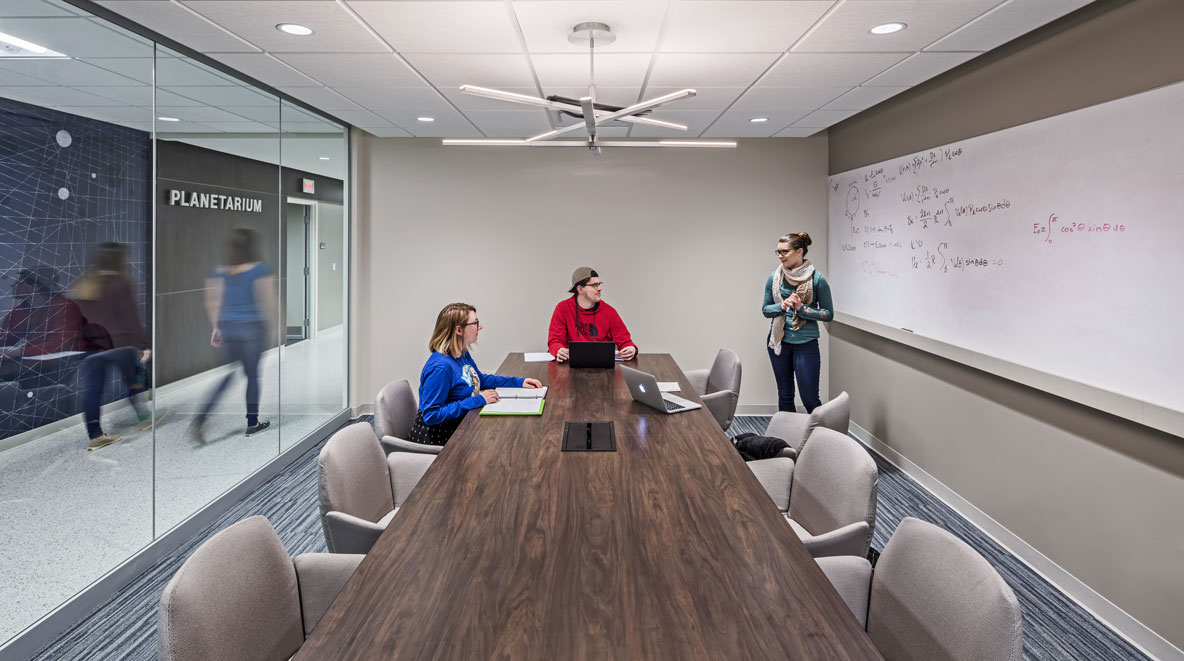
(125, 627)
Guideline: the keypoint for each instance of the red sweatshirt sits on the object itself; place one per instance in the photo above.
(48, 328)
(570, 323)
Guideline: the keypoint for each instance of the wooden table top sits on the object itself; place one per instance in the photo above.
(667, 548)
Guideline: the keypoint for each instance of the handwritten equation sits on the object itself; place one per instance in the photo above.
(1053, 226)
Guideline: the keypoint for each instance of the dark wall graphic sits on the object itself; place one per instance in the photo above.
(67, 183)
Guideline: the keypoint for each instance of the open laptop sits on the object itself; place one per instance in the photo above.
(644, 388)
(592, 354)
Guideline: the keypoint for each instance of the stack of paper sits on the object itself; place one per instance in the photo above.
(510, 406)
(538, 357)
(522, 393)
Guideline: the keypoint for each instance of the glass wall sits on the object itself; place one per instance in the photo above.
(173, 293)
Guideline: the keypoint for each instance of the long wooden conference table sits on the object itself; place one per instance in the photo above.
(667, 548)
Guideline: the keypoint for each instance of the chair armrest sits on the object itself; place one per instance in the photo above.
(321, 576)
(851, 539)
(852, 578)
(395, 444)
(345, 533)
(776, 476)
(789, 453)
(789, 427)
(722, 404)
(698, 379)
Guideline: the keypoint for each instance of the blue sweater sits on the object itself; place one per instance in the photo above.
(449, 387)
(823, 310)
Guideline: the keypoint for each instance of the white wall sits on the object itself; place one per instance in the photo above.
(683, 240)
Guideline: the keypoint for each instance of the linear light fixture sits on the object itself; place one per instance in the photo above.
(586, 144)
(34, 50)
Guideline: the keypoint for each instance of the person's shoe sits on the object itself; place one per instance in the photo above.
(256, 428)
(144, 420)
(101, 442)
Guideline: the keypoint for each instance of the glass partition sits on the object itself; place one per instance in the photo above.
(76, 264)
(162, 336)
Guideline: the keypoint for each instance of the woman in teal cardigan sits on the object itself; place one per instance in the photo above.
(797, 297)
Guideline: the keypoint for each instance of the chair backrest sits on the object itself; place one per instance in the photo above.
(934, 597)
(406, 469)
(835, 414)
(394, 409)
(352, 475)
(834, 484)
(725, 372)
(235, 598)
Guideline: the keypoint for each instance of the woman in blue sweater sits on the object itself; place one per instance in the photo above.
(450, 384)
(797, 297)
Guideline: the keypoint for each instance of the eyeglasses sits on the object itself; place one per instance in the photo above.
(782, 253)
(472, 323)
(597, 285)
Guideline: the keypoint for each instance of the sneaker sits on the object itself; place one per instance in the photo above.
(101, 442)
(144, 421)
(255, 429)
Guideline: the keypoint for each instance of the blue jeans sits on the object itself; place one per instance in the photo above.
(93, 376)
(804, 361)
(242, 341)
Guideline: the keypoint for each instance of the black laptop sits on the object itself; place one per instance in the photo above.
(592, 354)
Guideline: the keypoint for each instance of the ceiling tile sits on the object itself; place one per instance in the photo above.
(862, 98)
(787, 98)
(613, 96)
(265, 68)
(740, 26)
(706, 98)
(442, 27)
(845, 30)
(186, 71)
(137, 69)
(824, 118)
(33, 8)
(241, 127)
(694, 120)
(11, 78)
(79, 37)
(65, 96)
(111, 113)
(262, 114)
(635, 23)
(354, 69)
(453, 70)
(510, 123)
(796, 132)
(139, 95)
(419, 98)
(181, 24)
(207, 114)
(1005, 23)
(571, 70)
(828, 69)
(391, 132)
(466, 102)
(71, 72)
(225, 96)
(335, 30)
(321, 97)
(310, 127)
(735, 124)
(361, 118)
(165, 130)
(709, 69)
(919, 68)
(449, 124)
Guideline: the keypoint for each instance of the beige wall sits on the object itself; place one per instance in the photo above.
(683, 240)
(1098, 495)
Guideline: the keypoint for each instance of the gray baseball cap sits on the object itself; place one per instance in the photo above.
(580, 274)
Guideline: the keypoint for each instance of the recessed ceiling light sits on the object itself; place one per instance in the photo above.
(888, 28)
(758, 120)
(168, 119)
(22, 45)
(426, 119)
(324, 158)
(293, 28)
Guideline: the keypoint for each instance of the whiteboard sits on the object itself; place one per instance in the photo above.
(1051, 253)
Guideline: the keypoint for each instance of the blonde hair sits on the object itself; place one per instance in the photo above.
(444, 337)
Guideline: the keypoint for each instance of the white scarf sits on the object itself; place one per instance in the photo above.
(804, 276)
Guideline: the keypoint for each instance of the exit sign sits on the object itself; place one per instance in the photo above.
(308, 186)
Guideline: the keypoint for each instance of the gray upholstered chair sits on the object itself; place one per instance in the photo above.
(719, 387)
(931, 596)
(795, 428)
(394, 413)
(239, 596)
(360, 490)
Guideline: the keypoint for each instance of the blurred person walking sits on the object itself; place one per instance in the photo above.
(241, 303)
(113, 331)
(41, 325)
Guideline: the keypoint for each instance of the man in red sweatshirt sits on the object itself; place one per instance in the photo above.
(586, 318)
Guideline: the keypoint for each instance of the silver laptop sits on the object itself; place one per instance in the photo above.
(644, 388)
